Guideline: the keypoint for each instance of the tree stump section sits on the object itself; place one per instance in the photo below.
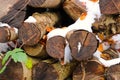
(52, 71)
(55, 47)
(82, 44)
(74, 8)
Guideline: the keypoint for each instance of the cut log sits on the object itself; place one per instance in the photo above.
(55, 47)
(74, 8)
(82, 44)
(110, 6)
(113, 73)
(31, 33)
(45, 3)
(38, 50)
(92, 70)
(17, 71)
(7, 34)
(47, 71)
(11, 11)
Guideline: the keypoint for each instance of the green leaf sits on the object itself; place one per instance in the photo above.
(19, 57)
(29, 64)
(3, 69)
(17, 50)
(8, 54)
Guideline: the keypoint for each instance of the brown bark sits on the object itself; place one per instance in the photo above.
(55, 47)
(33, 32)
(11, 10)
(88, 43)
(7, 34)
(45, 3)
(113, 73)
(17, 71)
(74, 8)
(55, 71)
(110, 6)
(91, 70)
(38, 50)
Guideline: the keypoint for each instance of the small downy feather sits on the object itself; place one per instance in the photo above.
(67, 56)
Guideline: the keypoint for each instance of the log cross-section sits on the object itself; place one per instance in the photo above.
(82, 44)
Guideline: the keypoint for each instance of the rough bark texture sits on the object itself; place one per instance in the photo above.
(91, 70)
(110, 6)
(11, 10)
(7, 34)
(74, 8)
(38, 50)
(45, 3)
(33, 32)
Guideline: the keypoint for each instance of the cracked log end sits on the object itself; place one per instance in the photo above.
(87, 41)
(55, 47)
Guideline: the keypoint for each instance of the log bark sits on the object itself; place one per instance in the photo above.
(38, 50)
(55, 71)
(45, 3)
(11, 10)
(113, 73)
(110, 6)
(82, 44)
(7, 34)
(74, 8)
(17, 71)
(33, 32)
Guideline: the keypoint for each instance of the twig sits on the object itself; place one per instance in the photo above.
(83, 70)
(28, 40)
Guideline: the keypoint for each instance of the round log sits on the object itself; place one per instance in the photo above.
(82, 44)
(45, 3)
(55, 71)
(113, 73)
(17, 71)
(55, 47)
(31, 33)
(110, 6)
(38, 50)
(74, 8)
(91, 70)
(7, 34)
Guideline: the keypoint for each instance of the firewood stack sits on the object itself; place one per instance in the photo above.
(65, 39)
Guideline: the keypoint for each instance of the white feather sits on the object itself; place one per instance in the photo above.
(67, 56)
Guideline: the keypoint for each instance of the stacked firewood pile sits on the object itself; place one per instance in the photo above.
(64, 39)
